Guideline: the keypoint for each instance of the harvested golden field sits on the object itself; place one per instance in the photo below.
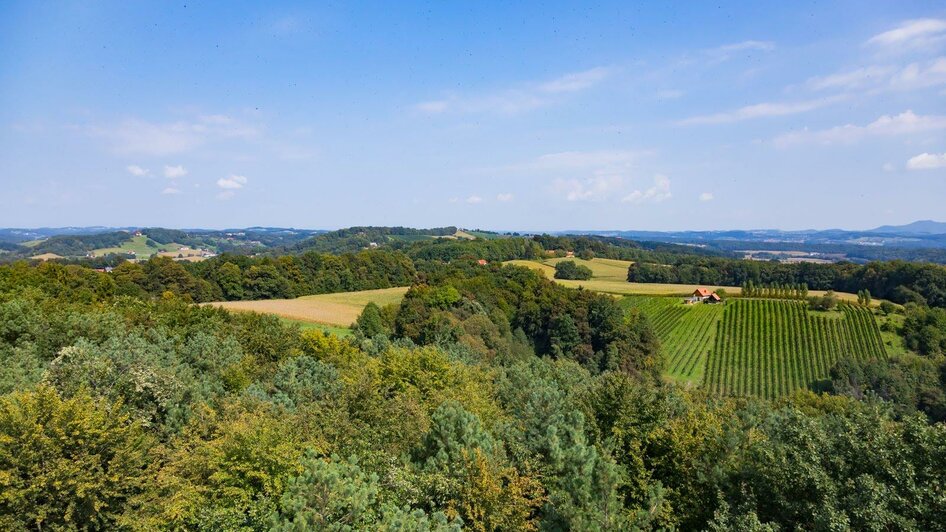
(603, 269)
(549, 271)
(650, 289)
(46, 256)
(609, 276)
(340, 309)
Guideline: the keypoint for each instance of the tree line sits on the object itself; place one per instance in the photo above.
(898, 281)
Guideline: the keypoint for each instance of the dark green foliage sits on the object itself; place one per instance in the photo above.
(67, 245)
(568, 269)
(924, 330)
(575, 324)
(354, 239)
(911, 382)
(370, 323)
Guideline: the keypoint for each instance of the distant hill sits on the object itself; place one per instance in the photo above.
(921, 227)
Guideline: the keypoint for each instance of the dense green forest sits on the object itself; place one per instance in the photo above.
(489, 399)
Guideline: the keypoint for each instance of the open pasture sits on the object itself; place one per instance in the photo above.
(136, 244)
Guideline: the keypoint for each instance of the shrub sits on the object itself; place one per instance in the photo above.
(568, 269)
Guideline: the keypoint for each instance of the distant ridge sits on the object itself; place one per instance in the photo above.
(924, 227)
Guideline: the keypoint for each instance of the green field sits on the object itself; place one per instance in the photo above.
(760, 347)
(137, 244)
(308, 325)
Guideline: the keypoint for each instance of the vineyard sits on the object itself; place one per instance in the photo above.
(770, 347)
(686, 332)
(760, 347)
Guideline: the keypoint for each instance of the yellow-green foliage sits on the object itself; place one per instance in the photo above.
(68, 464)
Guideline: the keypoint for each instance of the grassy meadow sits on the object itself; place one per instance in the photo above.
(137, 244)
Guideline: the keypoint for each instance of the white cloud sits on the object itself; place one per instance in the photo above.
(433, 107)
(655, 194)
(588, 189)
(919, 76)
(852, 79)
(669, 94)
(171, 191)
(706, 196)
(472, 200)
(762, 110)
(927, 161)
(903, 124)
(912, 34)
(232, 182)
(174, 172)
(168, 138)
(727, 51)
(572, 160)
(518, 99)
(504, 197)
(577, 81)
(878, 78)
(136, 170)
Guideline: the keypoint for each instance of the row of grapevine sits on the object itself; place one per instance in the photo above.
(687, 345)
(770, 347)
(686, 332)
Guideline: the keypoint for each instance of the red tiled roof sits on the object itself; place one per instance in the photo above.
(702, 292)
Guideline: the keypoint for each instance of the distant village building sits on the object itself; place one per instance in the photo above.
(482, 262)
(702, 295)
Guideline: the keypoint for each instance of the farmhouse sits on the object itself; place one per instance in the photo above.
(702, 295)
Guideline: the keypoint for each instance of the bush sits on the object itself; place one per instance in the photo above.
(828, 301)
(568, 269)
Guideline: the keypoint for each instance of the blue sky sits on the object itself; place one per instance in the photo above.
(534, 117)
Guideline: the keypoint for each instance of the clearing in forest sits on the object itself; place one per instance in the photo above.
(609, 276)
(339, 309)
